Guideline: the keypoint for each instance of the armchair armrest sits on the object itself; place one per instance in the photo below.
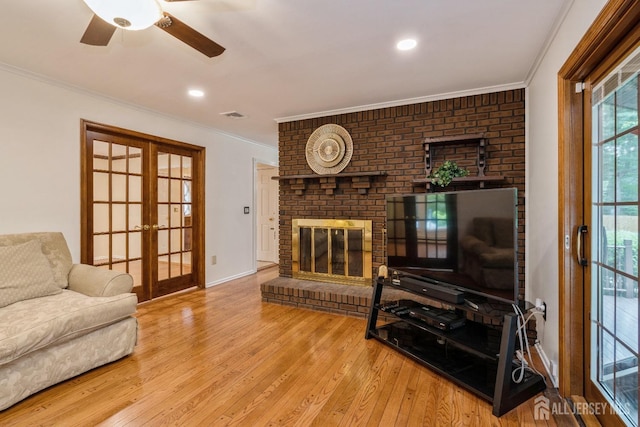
(98, 282)
(498, 258)
(474, 245)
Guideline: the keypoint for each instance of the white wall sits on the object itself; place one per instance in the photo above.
(542, 179)
(40, 167)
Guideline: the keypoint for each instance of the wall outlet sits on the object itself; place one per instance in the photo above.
(541, 307)
(214, 260)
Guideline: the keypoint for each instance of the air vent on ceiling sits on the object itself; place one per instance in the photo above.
(233, 115)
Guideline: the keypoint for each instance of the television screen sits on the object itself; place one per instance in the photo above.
(463, 239)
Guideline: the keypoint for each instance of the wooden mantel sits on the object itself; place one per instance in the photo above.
(360, 180)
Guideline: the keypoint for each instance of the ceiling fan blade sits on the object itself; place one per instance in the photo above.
(98, 33)
(188, 35)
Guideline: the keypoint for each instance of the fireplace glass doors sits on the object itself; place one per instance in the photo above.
(332, 250)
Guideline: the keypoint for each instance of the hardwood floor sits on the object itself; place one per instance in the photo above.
(222, 357)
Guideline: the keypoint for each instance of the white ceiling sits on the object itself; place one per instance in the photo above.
(286, 58)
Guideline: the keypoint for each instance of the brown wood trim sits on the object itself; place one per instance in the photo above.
(569, 218)
(615, 28)
(463, 179)
(453, 138)
(124, 156)
(150, 210)
(615, 20)
(623, 49)
(199, 266)
(333, 175)
(86, 182)
(114, 130)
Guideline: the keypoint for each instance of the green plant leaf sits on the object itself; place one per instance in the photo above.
(444, 174)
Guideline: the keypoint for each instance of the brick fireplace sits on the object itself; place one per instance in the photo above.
(388, 156)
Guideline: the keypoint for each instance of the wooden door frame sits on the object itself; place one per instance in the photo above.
(198, 193)
(608, 33)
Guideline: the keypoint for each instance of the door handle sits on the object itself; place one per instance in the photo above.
(582, 230)
(144, 227)
(156, 226)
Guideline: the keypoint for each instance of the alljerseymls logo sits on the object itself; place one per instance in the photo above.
(543, 408)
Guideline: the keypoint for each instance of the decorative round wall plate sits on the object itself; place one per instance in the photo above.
(329, 149)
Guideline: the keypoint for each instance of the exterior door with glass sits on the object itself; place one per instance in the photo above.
(613, 321)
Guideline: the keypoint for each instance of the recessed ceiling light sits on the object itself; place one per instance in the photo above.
(406, 44)
(196, 93)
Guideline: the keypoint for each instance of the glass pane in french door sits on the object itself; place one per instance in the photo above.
(117, 208)
(614, 192)
(174, 221)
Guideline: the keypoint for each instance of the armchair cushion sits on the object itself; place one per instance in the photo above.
(54, 247)
(31, 325)
(26, 273)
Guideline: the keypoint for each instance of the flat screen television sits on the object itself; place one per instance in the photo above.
(467, 240)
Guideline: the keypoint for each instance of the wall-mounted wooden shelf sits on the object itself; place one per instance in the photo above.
(360, 180)
(474, 139)
(461, 180)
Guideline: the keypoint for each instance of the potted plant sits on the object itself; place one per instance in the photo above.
(444, 174)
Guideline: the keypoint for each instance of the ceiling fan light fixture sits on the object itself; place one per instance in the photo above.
(406, 44)
(127, 14)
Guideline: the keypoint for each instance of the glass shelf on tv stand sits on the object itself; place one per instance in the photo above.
(471, 338)
(492, 309)
(477, 356)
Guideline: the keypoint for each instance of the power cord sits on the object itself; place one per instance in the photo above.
(518, 374)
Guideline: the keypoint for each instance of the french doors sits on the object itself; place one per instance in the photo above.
(142, 209)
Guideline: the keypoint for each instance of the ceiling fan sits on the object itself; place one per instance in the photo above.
(138, 15)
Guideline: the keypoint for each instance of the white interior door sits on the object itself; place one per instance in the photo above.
(267, 218)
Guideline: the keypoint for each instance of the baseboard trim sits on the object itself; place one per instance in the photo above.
(546, 362)
(230, 278)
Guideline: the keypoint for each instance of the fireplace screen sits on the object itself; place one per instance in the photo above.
(332, 250)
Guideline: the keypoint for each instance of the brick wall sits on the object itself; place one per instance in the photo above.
(390, 140)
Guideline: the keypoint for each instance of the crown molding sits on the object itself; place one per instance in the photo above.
(400, 102)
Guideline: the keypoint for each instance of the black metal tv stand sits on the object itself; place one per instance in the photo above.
(478, 356)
